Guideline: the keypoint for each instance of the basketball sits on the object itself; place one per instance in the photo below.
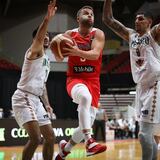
(58, 43)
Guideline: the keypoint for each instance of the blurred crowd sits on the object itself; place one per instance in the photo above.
(123, 128)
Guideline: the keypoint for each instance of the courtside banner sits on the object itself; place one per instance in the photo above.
(11, 134)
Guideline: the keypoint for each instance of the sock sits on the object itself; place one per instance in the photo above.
(68, 147)
(87, 135)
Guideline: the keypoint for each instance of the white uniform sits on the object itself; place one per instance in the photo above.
(26, 103)
(145, 66)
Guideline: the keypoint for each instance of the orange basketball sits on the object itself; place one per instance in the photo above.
(58, 43)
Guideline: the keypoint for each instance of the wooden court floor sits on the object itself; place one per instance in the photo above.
(117, 150)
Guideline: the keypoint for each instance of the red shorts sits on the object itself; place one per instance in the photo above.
(93, 85)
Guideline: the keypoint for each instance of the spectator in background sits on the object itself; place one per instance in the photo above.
(122, 127)
(99, 123)
(132, 127)
(113, 125)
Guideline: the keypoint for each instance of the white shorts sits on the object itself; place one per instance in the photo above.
(28, 107)
(148, 103)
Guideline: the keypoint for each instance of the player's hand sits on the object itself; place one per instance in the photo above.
(49, 110)
(51, 9)
(71, 50)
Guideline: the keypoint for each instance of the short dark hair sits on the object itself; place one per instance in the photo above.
(84, 7)
(146, 14)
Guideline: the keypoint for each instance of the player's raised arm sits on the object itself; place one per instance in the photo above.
(38, 41)
(112, 23)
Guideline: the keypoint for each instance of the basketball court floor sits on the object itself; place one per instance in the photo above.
(117, 150)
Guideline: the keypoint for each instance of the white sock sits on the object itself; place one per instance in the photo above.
(87, 135)
(68, 147)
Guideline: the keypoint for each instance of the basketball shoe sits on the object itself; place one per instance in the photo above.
(92, 147)
(62, 154)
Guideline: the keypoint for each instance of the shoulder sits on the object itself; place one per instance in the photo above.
(99, 33)
(69, 32)
(131, 31)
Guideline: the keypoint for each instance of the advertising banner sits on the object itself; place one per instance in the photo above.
(12, 135)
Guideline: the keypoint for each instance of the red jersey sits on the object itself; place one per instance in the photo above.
(84, 71)
(79, 67)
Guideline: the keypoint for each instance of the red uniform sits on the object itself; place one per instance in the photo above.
(84, 71)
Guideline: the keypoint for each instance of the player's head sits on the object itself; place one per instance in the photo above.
(143, 21)
(85, 16)
(46, 39)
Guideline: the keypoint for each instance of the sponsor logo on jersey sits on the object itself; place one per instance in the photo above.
(45, 116)
(81, 69)
(46, 62)
(145, 112)
(84, 47)
(144, 41)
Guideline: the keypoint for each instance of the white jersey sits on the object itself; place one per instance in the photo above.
(34, 75)
(145, 59)
(145, 66)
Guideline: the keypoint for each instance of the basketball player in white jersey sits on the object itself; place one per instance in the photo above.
(144, 44)
(27, 106)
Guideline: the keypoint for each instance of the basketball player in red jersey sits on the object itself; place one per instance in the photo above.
(83, 84)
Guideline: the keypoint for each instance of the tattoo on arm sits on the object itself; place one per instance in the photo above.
(119, 29)
(112, 23)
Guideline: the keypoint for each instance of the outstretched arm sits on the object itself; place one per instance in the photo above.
(112, 23)
(37, 45)
(155, 31)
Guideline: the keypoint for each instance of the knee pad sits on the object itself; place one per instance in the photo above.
(85, 100)
(81, 95)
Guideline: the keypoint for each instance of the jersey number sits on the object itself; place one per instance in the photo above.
(82, 59)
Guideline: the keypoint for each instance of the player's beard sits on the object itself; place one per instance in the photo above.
(46, 46)
(85, 22)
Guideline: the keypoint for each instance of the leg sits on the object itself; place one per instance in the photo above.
(147, 141)
(96, 128)
(33, 131)
(77, 137)
(103, 130)
(155, 150)
(49, 139)
(84, 116)
(156, 139)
